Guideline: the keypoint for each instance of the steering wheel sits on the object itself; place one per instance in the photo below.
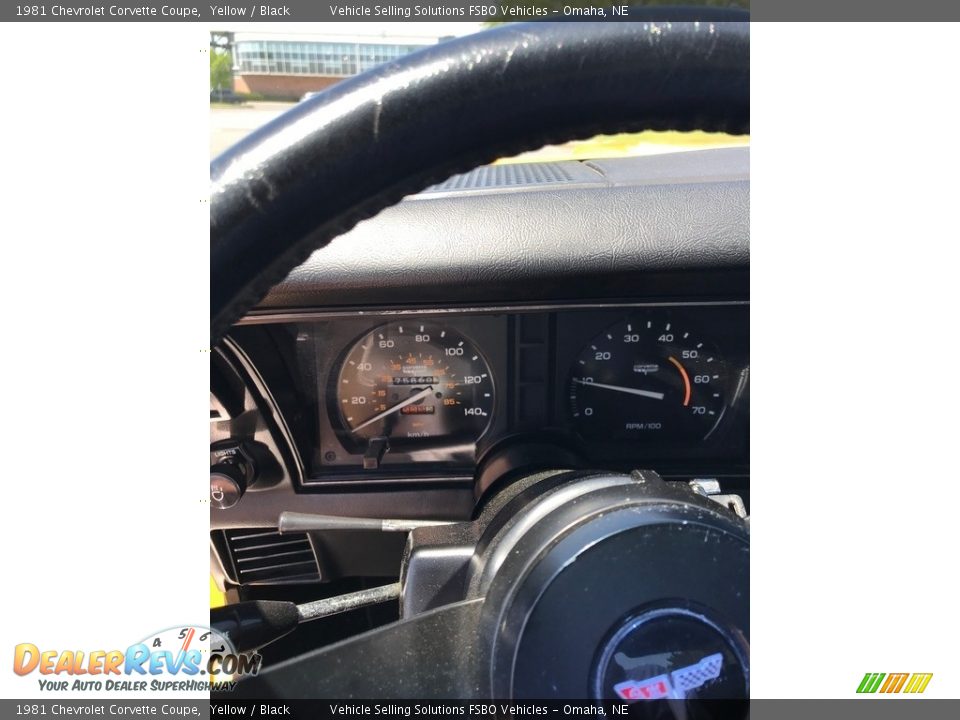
(344, 155)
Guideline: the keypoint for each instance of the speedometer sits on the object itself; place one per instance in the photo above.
(648, 379)
(413, 381)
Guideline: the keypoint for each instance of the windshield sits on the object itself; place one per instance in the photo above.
(257, 73)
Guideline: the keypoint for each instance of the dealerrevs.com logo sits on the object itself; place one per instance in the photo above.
(911, 683)
(180, 659)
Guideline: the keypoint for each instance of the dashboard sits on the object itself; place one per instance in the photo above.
(603, 326)
(423, 397)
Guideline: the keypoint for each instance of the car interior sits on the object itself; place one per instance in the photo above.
(482, 430)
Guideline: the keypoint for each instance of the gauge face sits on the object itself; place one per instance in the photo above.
(414, 381)
(650, 380)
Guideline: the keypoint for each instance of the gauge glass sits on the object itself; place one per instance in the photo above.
(411, 382)
(648, 379)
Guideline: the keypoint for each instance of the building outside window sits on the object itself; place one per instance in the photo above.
(276, 66)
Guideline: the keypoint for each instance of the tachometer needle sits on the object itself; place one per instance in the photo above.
(620, 388)
(399, 406)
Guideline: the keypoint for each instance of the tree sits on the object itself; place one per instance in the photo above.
(221, 70)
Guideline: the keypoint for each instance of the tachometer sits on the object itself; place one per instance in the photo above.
(647, 379)
(413, 381)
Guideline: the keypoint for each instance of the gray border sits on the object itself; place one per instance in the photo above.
(311, 11)
(94, 707)
(450, 11)
(894, 708)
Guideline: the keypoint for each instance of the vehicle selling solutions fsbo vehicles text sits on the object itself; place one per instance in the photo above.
(477, 11)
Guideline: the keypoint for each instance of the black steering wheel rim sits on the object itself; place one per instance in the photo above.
(312, 174)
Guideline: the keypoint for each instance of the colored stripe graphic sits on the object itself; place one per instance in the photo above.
(870, 682)
(894, 682)
(918, 682)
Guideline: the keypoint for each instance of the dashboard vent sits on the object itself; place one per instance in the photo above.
(491, 177)
(264, 556)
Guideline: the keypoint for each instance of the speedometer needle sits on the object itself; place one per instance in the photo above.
(620, 388)
(399, 406)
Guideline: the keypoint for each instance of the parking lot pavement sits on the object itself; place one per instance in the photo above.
(229, 124)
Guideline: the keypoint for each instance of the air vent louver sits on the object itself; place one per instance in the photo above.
(264, 556)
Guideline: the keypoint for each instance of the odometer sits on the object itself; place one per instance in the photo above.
(647, 379)
(414, 381)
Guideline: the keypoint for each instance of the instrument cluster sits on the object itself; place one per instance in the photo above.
(423, 396)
